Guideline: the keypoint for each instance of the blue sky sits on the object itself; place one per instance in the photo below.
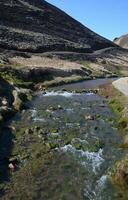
(108, 18)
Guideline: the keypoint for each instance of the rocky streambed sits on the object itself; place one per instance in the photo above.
(64, 147)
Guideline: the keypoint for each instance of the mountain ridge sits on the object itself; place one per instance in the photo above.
(37, 26)
(122, 41)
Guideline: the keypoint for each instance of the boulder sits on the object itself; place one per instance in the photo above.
(11, 167)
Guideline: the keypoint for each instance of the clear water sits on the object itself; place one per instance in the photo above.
(84, 150)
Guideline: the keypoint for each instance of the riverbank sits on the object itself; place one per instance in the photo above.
(12, 101)
(118, 101)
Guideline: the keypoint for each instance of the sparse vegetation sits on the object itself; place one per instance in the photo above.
(119, 104)
(66, 80)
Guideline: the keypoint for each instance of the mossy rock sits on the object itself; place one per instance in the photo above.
(76, 144)
(18, 103)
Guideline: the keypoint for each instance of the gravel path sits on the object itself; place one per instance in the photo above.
(122, 85)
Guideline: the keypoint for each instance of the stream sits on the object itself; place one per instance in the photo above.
(85, 142)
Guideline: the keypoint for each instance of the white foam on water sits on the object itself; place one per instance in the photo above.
(48, 111)
(95, 158)
(72, 124)
(99, 188)
(35, 117)
(34, 112)
(69, 109)
(54, 134)
(89, 93)
(65, 94)
(66, 148)
(101, 182)
(87, 108)
(96, 192)
(80, 140)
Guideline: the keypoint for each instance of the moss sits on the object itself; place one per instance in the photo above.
(119, 104)
(66, 80)
(115, 105)
(10, 65)
(118, 108)
(10, 78)
(29, 96)
(119, 177)
(19, 105)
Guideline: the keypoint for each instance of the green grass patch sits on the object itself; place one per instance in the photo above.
(10, 78)
(65, 80)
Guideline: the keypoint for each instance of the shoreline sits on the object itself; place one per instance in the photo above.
(119, 105)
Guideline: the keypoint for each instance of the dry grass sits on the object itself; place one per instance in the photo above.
(39, 61)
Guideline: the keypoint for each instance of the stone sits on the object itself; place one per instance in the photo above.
(90, 117)
(4, 101)
(11, 167)
(52, 108)
(13, 160)
(59, 107)
(28, 131)
(18, 104)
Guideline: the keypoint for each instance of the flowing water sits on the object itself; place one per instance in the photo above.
(85, 142)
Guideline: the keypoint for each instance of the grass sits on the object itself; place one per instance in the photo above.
(101, 70)
(97, 70)
(8, 65)
(10, 78)
(119, 104)
(64, 80)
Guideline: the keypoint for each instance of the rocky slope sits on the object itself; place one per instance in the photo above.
(122, 41)
(37, 26)
(40, 38)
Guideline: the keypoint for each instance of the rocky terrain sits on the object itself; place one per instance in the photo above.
(42, 46)
(122, 41)
(37, 26)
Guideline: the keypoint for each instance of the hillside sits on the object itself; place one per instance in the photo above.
(37, 26)
(122, 41)
(37, 36)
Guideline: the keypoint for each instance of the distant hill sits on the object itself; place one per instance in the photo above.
(37, 26)
(122, 41)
